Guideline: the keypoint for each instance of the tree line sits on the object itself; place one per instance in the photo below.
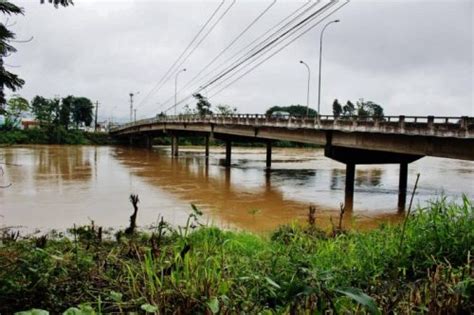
(67, 112)
(362, 108)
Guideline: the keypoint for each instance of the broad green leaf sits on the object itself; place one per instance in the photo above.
(116, 296)
(273, 283)
(149, 308)
(361, 298)
(213, 304)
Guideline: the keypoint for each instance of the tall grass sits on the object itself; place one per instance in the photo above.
(295, 270)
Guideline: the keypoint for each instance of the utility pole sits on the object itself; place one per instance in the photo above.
(131, 106)
(96, 114)
(134, 115)
(309, 79)
(320, 63)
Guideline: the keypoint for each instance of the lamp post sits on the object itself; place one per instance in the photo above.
(320, 60)
(307, 93)
(176, 89)
(131, 104)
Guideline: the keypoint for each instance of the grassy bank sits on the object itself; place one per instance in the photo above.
(423, 266)
(56, 136)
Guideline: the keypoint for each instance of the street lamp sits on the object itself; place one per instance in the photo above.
(320, 59)
(309, 79)
(131, 104)
(176, 89)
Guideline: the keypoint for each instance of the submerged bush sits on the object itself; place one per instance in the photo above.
(207, 270)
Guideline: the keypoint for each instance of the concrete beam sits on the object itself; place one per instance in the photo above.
(362, 156)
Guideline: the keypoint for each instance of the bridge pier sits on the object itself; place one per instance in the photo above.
(349, 188)
(174, 145)
(269, 154)
(228, 152)
(206, 144)
(351, 157)
(402, 186)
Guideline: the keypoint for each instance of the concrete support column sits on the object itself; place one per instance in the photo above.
(206, 144)
(402, 186)
(130, 140)
(228, 152)
(349, 189)
(269, 154)
(174, 145)
(148, 142)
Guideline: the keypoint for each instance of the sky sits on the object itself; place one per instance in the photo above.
(413, 57)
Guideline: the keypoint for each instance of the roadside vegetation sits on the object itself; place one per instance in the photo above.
(422, 266)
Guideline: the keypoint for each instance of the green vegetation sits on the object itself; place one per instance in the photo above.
(294, 110)
(196, 269)
(58, 136)
(59, 121)
(362, 109)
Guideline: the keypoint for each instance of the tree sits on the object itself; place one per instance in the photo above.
(82, 111)
(294, 110)
(7, 79)
(223, 109)
(44, 110)
(203, 106)
(16, 106)
(369, 109)
(65, 111)
(336, 108)
(348, 109)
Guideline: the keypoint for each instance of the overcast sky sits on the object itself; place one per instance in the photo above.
(412, 57)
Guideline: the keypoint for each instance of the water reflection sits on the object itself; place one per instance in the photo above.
(56, 186)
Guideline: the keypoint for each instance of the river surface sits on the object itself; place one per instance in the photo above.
(54, 187)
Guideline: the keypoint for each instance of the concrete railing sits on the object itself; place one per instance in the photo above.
(460, 127)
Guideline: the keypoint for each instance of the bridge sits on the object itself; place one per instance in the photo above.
(349, 140)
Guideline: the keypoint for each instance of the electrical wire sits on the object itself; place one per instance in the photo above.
(293, 20)
(274, 53)
(159, 84)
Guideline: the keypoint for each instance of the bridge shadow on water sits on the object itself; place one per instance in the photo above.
(247, 195)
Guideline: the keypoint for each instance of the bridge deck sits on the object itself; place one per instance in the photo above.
(451, 137)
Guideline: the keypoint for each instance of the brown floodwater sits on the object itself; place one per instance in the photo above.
(54, 187)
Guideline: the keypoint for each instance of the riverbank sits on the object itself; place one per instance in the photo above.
(423, 265)
(58, 136)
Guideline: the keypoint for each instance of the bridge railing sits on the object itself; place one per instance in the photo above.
(399, 124)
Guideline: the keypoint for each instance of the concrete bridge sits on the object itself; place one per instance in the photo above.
(349, 140)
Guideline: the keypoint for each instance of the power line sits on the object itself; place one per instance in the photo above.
(199, 43)
(233, 41)
(261, 62)
(263, 35)
(258, 38)
(281, 48)
(159, 84)
(272, 42)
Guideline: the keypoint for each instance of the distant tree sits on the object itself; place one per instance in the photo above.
(44, 110)
(369, 109)
(17, 106)
(81, 111)
(294, 110)
(203, 106)
(348, 109)
(336, 108)
(224, 109)
(65, 112)
(187, 110)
